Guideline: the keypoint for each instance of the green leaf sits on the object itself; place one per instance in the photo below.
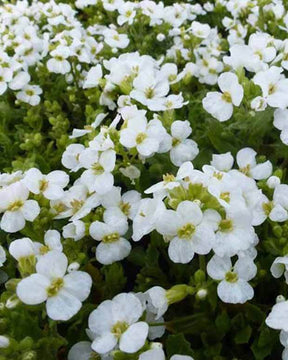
(243, 335)
(177, 344)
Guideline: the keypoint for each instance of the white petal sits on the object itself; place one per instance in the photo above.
(235, 293)
(108, 253)
(189, 212)
(278, 318)
(127, 307)
(134, 338)
(78, 284)
(180, 251)
(21, 248)
(30, 210)
(62, 306)
(80, 351)
(154, 354)
(262, 171)
(32, 290)
(217, 267)
(246, 157)
(105, 343)
(12, 221)
(101, 320)
(52, 240)
(98, 230)
(52, 265)
(245, 268)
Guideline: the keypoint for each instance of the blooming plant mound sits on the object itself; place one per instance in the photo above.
(143, 182)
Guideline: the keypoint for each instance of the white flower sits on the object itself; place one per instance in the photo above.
(30, 94)
(149, 86)
(200, 30)
(99, 166)
(167, 103)
(2, 256)
(74, 230)
(58, 63)
(153, 354)
(19, 81)
(50, 185)
(246, 160)
(113, 247)
(52, 242)
(115, 40)
(187, 230)
(63, 293)
(128, 203)
(22, 248)
(70, 157)
(144, 136)
(157, 301)
(281, 123)
(280, 267)
(127, 13)
(146, 218)
(16, 207)
(116, 322)
(235, 232)
(233, 287)
(278, 317)
(93, 76)
(5, 77)
(220, 105)
(161, 189)
(183, 149)
(274, 86)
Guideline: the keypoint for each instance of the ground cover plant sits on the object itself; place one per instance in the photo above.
(143, 182)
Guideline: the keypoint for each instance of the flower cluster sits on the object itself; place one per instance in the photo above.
(143, 181)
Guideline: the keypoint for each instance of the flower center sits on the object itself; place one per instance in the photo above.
(246, 170)
(15, 206)
(43, 185)
(29, 92)
(55, 287)
(226, 225)
(119, 328)
(140, 138)
(76, 204)
(94, 356)
(225, 196)
(186, 231)
(227, 97)
(44, 249)
(110, 238)
(59, 58)
(217, 175)
(231, 277)
(125, 207)
(97, 169)
(267, 207)
(149, 93)
(272, 88)
(168, 178)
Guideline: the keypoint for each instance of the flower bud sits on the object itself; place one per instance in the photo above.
(4, 341)
(273, 181)
(201, 294)
(178, 293)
